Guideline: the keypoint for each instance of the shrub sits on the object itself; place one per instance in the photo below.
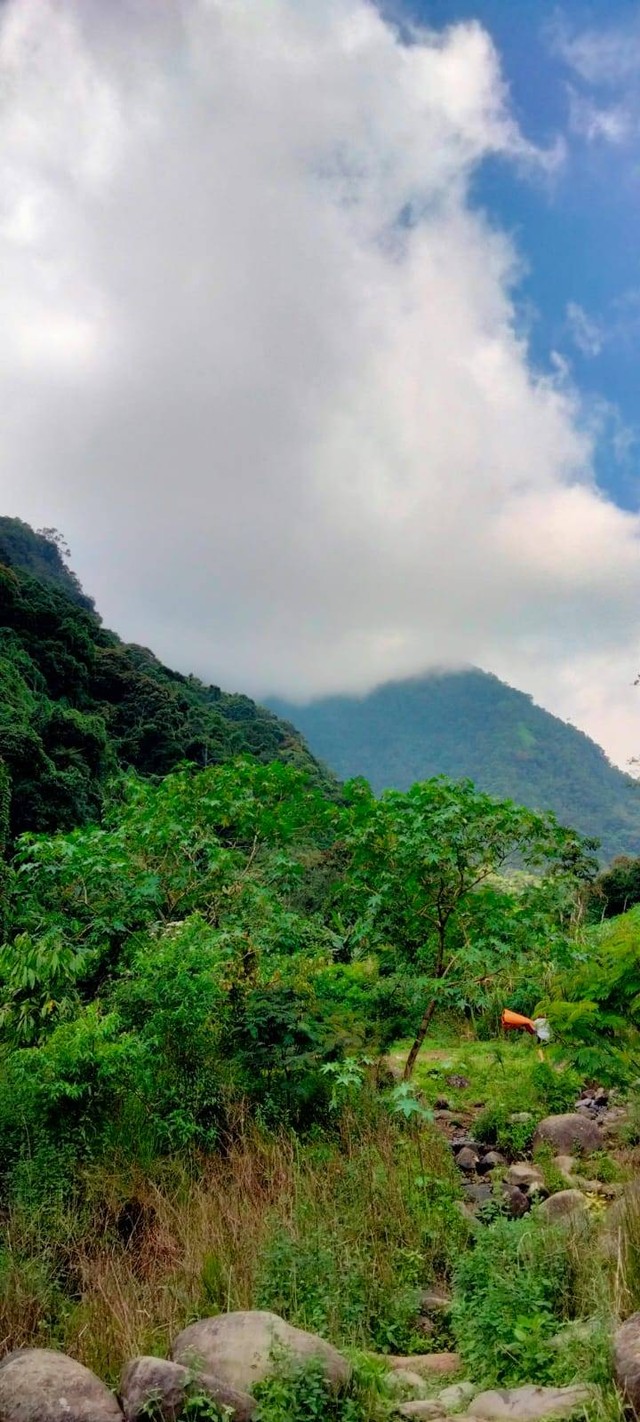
(495, 1126)
(512, 1292)
(302, 1394)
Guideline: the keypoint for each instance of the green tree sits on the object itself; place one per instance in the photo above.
(422, 861)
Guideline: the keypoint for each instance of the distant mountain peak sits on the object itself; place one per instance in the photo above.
(470, 724)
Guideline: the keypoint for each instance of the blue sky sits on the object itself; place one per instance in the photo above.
(579, 231)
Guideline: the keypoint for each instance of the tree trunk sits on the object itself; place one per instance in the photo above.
(420, 1036)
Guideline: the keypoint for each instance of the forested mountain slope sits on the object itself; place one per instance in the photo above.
(76, 703)
(472, 724)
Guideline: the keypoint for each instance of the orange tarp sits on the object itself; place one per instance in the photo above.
(512, 1020)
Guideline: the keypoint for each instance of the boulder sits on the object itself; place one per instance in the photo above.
(168, 1385)
(241, 1349)
(467, 1159)
(490, 1161)
(565, 1205)
(453, 1397)
(478, 1194)
(402, 1381)
(568, 1133)
(516, 1201)
(626, 1360)
(526, 1176)
(39, 1385)
(528, 1403)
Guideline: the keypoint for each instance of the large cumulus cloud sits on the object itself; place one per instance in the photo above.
(261, 361)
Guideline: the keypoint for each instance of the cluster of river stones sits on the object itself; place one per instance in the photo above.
(571, 1138)
(224, 1358)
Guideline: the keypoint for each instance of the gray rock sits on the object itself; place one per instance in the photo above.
(565, 1205)
(456, 1395)
(168, 1385)
(525, 1176)
(239, 1348)
(490, 1161)
(568, 1133)
(460, 1142)
(39, 1385)
(467, 1159)
(626, 1360)
(516, 1201)
(528, 1403)
(478, 1194)
(401, 1382)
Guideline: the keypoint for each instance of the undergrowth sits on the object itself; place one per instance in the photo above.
(515, 1293)
(338, 1234)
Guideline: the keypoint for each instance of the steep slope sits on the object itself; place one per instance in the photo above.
(470, 724)
(76, 703)
(42, 555)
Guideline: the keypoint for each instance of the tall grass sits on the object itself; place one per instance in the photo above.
(339, 1234)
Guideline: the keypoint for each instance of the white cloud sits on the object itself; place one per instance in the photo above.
(609, 123)
(585, 332)
(261, 361)
(605, 55)
(605, 62)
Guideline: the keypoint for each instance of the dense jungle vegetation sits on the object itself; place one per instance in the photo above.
(217, 966)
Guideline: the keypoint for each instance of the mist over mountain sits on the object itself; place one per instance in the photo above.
(471, 724)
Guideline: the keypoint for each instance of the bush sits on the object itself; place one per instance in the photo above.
(556, 1089)
(512, 1293)
(495, 1126)
(303, 1394)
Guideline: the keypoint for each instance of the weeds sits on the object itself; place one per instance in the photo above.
(514, 1291)
(303, 1394)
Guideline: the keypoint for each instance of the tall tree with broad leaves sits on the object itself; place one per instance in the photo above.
(421, 864)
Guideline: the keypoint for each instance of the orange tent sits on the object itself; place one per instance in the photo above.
(513, 1021)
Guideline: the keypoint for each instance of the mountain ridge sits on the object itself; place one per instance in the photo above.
(471, 725)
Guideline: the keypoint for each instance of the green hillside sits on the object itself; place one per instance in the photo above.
(76, 703)
(470, 724)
